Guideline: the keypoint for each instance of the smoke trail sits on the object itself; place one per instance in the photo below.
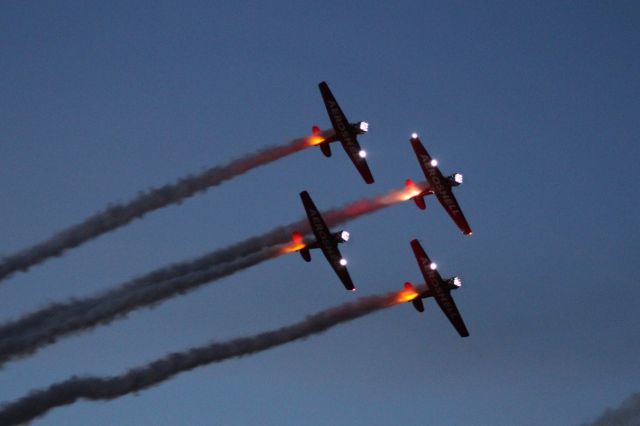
(57, 311)
(86, 314)
(39, 402)
(628, 414)
(46, 326)
(121, 214)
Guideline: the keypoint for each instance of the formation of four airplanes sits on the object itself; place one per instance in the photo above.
(346, 133)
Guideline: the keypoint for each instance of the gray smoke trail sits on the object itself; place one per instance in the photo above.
(87, 314)
(628, 414)
(39, 402)
(58, 311)
(121, 214)
(44, 327)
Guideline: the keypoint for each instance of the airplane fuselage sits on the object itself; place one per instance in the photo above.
(325, 239)
(343, 129)
(437, 288)
(439, 185)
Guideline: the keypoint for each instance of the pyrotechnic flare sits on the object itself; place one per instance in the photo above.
(38, 402)
(119, 215)
(46, 326)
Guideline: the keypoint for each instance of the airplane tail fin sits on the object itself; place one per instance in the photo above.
(417, 302)
(297, 237)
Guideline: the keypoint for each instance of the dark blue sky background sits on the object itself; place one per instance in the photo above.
(535, 102)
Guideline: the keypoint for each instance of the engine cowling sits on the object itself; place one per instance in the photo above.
(454, 282)
(360, 128)
(341, 236)
(455, 179)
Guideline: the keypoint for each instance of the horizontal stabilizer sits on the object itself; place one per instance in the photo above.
(417, 301)
(306, 254)
(326, 149)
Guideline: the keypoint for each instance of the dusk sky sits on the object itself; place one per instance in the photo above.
(536, 103)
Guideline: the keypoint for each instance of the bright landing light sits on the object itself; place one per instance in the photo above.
(434, 162)
(362, 153)
(414, 136)
(433, 266)
(343, 262)
(344, 235)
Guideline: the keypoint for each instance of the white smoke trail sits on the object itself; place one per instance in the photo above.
(119, 215)
(44, 327)
(39, 402)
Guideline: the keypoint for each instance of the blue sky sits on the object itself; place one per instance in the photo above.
(535, 102)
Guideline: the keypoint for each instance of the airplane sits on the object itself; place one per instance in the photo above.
(325, 240)
(437, 288)
(438, 185)
(344, 132)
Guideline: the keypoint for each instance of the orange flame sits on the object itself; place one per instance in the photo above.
(291, 247)
(411, 189)
(315, 140)
(403, 194)
(406, 295)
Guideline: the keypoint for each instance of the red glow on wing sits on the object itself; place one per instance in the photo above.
(297, 237)
(315, 130)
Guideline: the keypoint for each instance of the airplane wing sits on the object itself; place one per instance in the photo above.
(325, 240)
(334, 257)
(439, 292)
(345, 133)
(440, 186)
